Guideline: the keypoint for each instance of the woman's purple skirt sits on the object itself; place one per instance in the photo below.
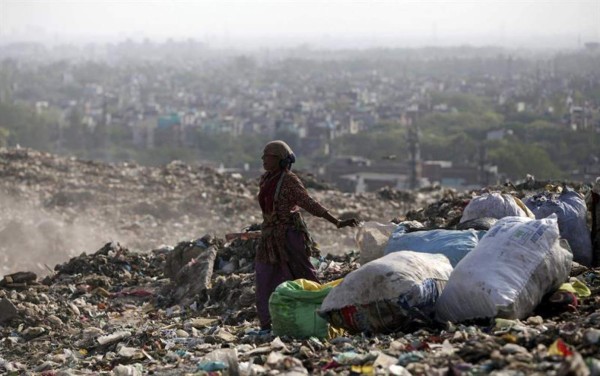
(269, 276)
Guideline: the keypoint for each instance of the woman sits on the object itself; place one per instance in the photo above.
(286, 245)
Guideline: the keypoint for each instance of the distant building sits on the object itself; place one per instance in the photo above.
(442, 107)
(168, 121)
(359, 174)
(592, 46)
(498, 134)
(168, 130)
(578, 118)
(142, 132)
(446, 174)
(41, 106)
(588, 171)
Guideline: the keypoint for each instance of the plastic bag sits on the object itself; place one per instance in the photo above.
(454, 244)
(514, 265)
(293, 307)
(388, 294)
(571, 212)
(495, 205)
(224, 361)
(372, 238)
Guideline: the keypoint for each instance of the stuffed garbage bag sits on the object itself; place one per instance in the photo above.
(495, 205)
(454, 244)
(571, 210)
(388, 294)
(514, 265)
(293, 307)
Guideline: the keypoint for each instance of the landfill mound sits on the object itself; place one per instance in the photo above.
(57, 207)
(184, 304)
(115, 312)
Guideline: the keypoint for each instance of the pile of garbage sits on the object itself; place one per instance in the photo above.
(116, 312)
(57, 207)
(499, 280)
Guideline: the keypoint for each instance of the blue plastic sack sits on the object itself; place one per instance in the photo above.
(571, 211)
(454, 244)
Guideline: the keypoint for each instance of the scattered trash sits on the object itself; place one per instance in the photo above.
(123, 312)
(193, 277)
(558, 347)
(7, 310)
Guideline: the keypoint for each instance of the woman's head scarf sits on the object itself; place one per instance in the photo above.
(282, 151)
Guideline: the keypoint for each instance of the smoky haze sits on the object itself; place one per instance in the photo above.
(36, 239)
(378, 97)
(327, 24)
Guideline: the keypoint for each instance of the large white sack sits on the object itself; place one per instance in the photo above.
(495, 205)
(387, 294)
(514, 265)
(372, 238)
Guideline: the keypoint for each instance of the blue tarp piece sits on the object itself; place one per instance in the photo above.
(454, 244)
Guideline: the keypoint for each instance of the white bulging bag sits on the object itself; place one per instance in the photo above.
(514, 265)
(495, 205)
(387, 294)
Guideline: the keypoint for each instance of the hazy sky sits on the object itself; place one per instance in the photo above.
(376, 22)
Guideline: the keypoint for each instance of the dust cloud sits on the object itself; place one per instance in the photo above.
(33, 238)
(54, 208)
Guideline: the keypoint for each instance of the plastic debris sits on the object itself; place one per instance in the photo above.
(111, 307)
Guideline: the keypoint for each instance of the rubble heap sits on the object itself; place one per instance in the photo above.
(114, 312)
(57, 207)
(188, 308)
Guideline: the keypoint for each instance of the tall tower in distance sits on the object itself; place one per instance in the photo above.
(414, 150)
